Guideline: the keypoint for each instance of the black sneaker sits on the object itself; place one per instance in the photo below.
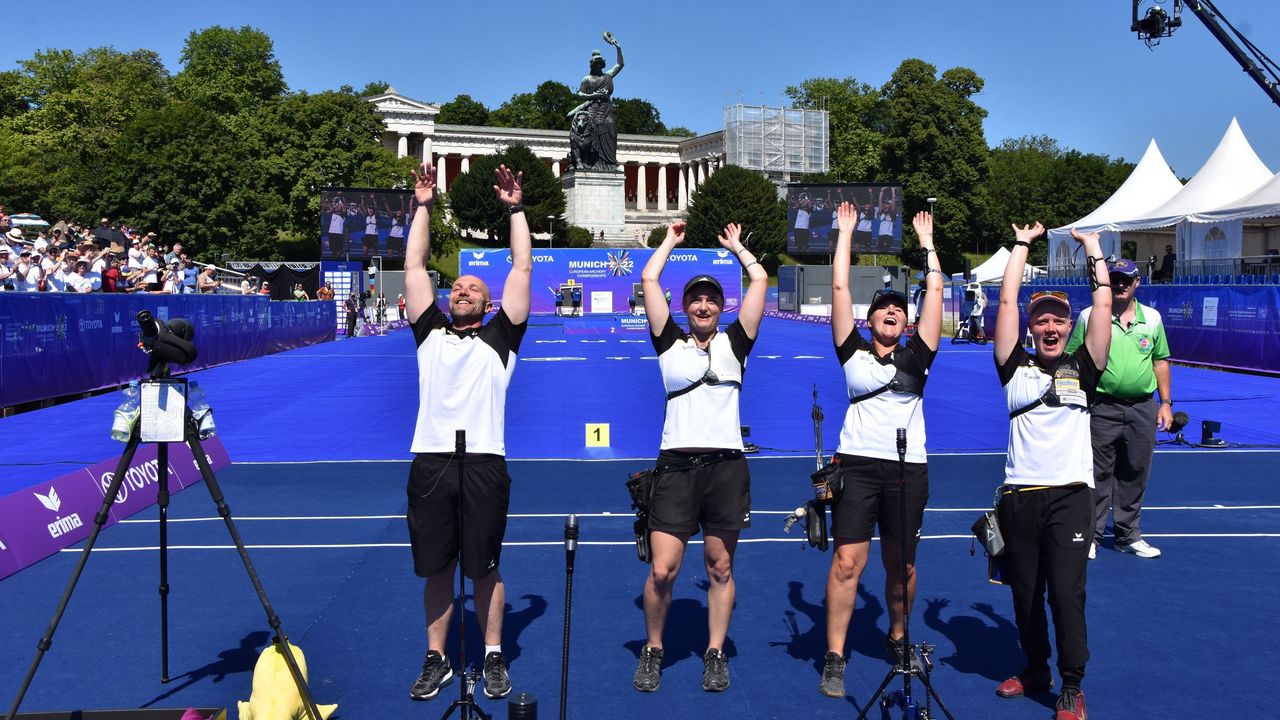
(497, 683)
(832, 676)
(436, 673)
(895, 651)
(715, 671)
(649, 671)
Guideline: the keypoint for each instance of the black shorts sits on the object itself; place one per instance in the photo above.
(395, 245)
(871, 497)
(371, 243)
(337, 243)
(433, 512)
(713, 497)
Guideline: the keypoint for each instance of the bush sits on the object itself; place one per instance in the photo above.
(656, 236)
(578, 237)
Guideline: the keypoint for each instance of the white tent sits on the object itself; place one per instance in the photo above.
(1150, 185)
(1232, 171)
(1261, 203)
(991, 269)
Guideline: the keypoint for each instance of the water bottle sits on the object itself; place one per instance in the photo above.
(127, 413)
(200, 410)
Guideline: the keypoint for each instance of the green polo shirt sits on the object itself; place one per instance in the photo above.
(1129, 371)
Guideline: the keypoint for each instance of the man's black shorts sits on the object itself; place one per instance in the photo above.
(713, 497)
(871, 496)
(337, 243)
(433, 512)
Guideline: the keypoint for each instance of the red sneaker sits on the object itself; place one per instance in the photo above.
(1020, 685)
(1071, 705)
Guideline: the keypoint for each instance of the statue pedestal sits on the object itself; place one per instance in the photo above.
(594, 200)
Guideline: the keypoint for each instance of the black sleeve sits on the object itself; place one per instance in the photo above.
(503, 336)
(920, 352)
(851, 345)
(669, 336)
(1090, 375)
(739, 341)
(431, 319)
(1016, 358)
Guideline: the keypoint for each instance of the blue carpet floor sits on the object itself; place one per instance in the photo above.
(330, 544)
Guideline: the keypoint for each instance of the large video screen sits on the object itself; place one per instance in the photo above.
(356, 223)
(811, 218)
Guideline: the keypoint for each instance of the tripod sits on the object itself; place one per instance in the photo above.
(191, 437)
(466, 702)
(911, 710)
(570, 549)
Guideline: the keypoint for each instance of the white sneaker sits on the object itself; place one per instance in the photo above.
(1141, 548)
(1093, 551)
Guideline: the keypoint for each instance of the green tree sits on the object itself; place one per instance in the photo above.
(227, 70)
(546, 108)
(578, 237)
(936, 147)
(474, 206)
(680, 131)
(656, 236)
(463, 110)
(637, 117)
(859, 118)
(376, 87)
(734, 194)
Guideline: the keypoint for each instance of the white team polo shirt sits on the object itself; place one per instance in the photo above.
(462, 382)
(1049, 445)
(707, 416)
(871, 426)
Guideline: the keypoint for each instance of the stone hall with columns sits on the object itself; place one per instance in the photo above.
(661, 172)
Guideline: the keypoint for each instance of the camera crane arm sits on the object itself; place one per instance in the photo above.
(1255, 63)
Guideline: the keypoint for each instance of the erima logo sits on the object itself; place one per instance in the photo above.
(722, 253)
(51, 501)
(1078, 538)
(477, 255)
(62, 525)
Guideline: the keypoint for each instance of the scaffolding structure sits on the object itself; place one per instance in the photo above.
(780, 142)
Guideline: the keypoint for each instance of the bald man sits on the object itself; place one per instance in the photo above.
(464, 368)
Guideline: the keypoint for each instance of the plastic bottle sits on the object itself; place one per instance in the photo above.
(127, 413)
(200, 410)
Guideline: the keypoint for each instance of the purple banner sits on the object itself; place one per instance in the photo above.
(54, 344)
(606, 278)
(41, 520)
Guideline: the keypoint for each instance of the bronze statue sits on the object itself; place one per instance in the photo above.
(593, 133)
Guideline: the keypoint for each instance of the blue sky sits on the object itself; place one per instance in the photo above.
(1069, 69)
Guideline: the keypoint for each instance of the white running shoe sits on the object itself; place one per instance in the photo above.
(1141, 548)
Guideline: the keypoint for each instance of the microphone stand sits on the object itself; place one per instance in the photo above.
(570, 549)
(466, 701)
(902, 698)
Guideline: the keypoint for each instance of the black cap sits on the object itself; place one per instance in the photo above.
(886, 297)
(703, 280)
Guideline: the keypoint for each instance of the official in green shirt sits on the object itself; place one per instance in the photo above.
(1125, 418)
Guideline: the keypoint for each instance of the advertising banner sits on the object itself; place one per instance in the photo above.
(606, 276)
(54, 344)
(45, 518)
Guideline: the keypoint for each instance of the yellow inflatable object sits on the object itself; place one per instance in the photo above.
(275, 696)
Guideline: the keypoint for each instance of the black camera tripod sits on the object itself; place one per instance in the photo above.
(907, 652)
(192, 439)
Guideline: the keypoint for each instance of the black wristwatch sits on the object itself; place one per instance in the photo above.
(515, 209)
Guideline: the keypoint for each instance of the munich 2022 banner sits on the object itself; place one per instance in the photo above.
(811, 218)
(44, 518)
(607, 276)
(364, 223)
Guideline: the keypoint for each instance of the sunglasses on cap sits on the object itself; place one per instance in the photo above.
(1055, 294)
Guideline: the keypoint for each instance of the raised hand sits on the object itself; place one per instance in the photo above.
(923, 224)
(675, 232)
(609, 38)
(508, 188)
(1027, 233)
(424, 185)
(846, 217)
(729, 240)
(1084, 238)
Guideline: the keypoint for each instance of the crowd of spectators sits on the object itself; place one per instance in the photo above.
(71, 258)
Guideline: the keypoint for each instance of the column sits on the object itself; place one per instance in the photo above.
(682, 190)
(642, 187)
(555, 168)
(466, 163)
(426, 149)
(441, 174)
(695, 176)
(662, 188)
(402, 145)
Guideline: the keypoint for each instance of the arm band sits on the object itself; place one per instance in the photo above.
(515, 209)
(1023, 243)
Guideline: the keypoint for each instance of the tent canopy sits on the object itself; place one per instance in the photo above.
(1261, 203)
(1150, 185)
